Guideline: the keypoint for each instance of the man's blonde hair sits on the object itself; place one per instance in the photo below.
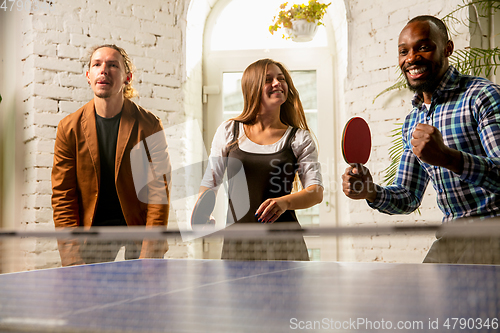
(128, 91)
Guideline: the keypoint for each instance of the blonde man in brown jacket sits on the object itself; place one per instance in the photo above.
(92, 175)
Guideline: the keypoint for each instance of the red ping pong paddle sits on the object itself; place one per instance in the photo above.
(356, 141)
(203, 208)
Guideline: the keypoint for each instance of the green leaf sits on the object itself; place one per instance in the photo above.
(395, 152)
(472, 10)
(400, 84)
(476, 61)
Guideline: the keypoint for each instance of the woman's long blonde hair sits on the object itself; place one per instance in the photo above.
(291, 112)
(252, 84)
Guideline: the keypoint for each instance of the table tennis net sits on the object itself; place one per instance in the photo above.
(103, 289)
(476, 242)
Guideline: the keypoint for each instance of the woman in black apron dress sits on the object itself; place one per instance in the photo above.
(273, 121)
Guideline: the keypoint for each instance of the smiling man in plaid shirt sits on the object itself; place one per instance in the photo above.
(451, 137)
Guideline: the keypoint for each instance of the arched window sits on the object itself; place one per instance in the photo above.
(224, 36)
(244, 25)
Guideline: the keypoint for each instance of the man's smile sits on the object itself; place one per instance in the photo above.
(416, 71)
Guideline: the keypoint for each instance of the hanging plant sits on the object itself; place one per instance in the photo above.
(299, 21)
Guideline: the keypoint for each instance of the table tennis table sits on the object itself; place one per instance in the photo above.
(176, 295)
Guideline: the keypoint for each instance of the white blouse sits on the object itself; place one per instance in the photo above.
(303, 147)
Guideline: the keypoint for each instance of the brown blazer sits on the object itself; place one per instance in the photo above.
(76, 175)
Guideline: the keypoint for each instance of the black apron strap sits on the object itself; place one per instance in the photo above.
(291, 137)
(232, 146)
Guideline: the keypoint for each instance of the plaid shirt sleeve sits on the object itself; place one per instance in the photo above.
(484, 170)
(405, 194)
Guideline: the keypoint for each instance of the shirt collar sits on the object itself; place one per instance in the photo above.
(450, 81)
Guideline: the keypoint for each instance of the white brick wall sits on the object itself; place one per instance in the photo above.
(54, 48)
(54, 55)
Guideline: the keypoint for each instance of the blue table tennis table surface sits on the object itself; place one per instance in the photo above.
(169, 295)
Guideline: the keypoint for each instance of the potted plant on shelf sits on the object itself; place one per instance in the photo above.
(300, 22)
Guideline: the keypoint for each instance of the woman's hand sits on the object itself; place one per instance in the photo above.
(271, 209)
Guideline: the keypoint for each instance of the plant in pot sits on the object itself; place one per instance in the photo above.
(300, 22)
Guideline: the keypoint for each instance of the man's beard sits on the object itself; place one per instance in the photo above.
(429, 85)
(106, 94)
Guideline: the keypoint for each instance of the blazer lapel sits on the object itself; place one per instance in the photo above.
(126, 125)
(90, 133)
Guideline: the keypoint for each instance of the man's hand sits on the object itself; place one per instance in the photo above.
(357, 183)
(429, 147)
